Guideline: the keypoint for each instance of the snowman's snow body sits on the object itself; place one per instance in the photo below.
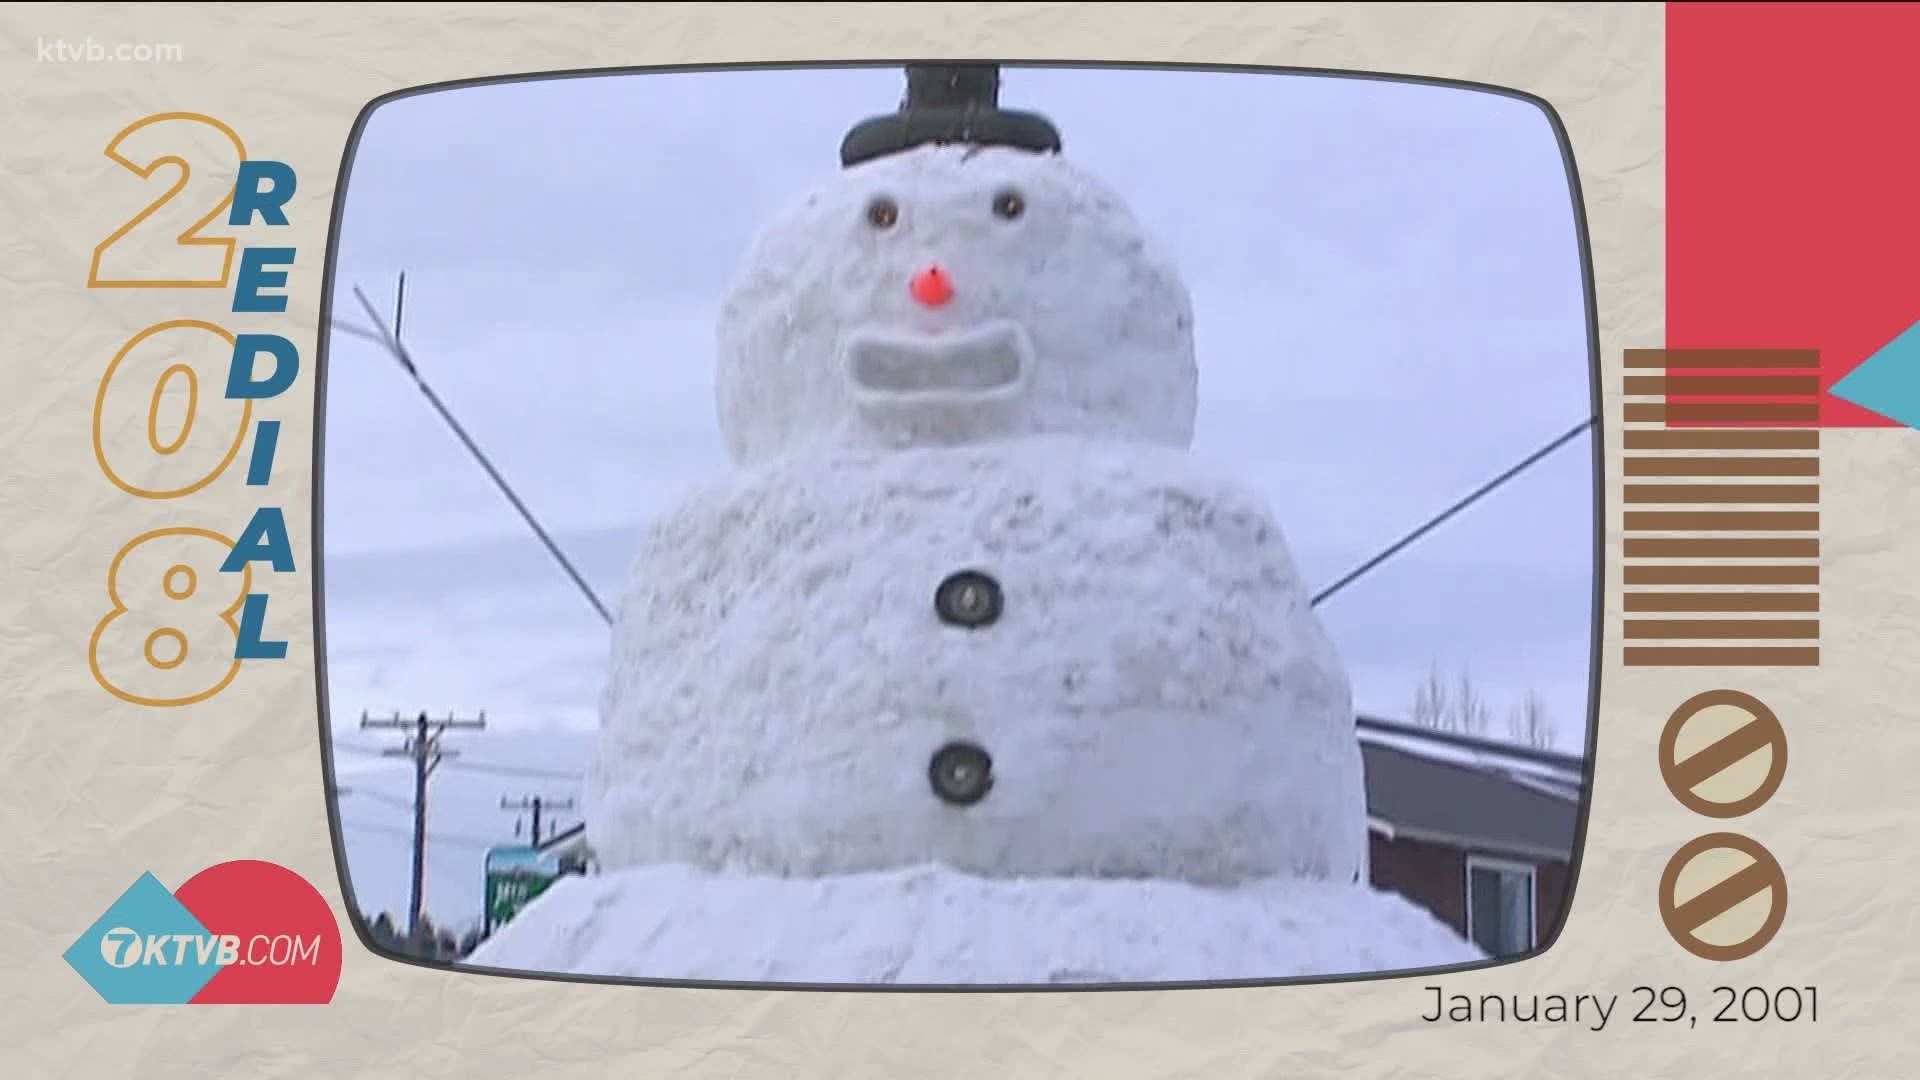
(1157, 697)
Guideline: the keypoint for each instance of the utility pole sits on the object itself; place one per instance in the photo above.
(537, 805)
(423, 747)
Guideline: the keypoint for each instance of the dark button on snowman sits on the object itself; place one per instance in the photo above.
(961, 364)
(961, 773)
(969, 599)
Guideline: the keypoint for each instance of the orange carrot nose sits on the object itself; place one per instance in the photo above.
(931, 286)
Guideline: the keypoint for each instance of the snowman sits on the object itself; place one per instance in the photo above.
(967, 653)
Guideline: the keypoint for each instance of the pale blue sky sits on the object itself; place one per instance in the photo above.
(1388, 302)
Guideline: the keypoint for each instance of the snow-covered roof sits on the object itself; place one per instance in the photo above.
(1470, 793)
(1525, 764)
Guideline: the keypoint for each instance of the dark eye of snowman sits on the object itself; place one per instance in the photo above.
(1009, 205)
(882, 213)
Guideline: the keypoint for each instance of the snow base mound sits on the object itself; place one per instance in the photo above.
(929, 925)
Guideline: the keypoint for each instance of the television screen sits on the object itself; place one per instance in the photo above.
(959, 525)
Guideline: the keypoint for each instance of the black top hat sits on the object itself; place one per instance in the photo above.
(949, 103)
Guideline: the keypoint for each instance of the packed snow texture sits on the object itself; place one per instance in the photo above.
(930, 925)
(1177, 790)
(1103, 320)
(1158, 698)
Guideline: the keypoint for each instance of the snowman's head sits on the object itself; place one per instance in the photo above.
(949, 295)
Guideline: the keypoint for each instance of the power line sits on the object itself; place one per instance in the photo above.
(379, 796)
(461, 764)
(390, 340)
(342, 740)
(511, 770)
(456, 839)
(1437, 520)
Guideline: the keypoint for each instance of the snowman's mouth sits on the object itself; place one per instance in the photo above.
(989, 361)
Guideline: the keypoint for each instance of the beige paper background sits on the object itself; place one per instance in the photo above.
(94, 791)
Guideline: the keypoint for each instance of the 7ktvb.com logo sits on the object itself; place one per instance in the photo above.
(238, 933)
(122, 947)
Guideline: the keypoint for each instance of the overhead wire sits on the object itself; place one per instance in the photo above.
(1441, 518)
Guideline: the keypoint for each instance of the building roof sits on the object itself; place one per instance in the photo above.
(1374, 726)
(1445, 787)
(1471, 793)
(1547, 770)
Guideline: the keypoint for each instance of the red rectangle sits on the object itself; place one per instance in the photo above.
(1792, 220)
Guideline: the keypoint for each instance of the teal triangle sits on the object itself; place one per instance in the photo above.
(1889, 381)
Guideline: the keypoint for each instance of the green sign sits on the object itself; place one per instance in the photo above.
(515, 877)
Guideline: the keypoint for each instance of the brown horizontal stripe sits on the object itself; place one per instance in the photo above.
(1723, 466)
(1721, 602)
(1739, 412)
(1723, 358)
(1725, 656)
(1722, 575)
(1717, 547)
(1722, 898)
(1724, 629)
(1735, 385)
(1730, 749)
(1698, 439)
(1723, 493)
(1643, 412)
(1723, 520)
(1722, 385)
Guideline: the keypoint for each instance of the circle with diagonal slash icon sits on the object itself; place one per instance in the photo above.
(1723, 754)
(1723, 897)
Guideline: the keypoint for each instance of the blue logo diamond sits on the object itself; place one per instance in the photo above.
(148, 949)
